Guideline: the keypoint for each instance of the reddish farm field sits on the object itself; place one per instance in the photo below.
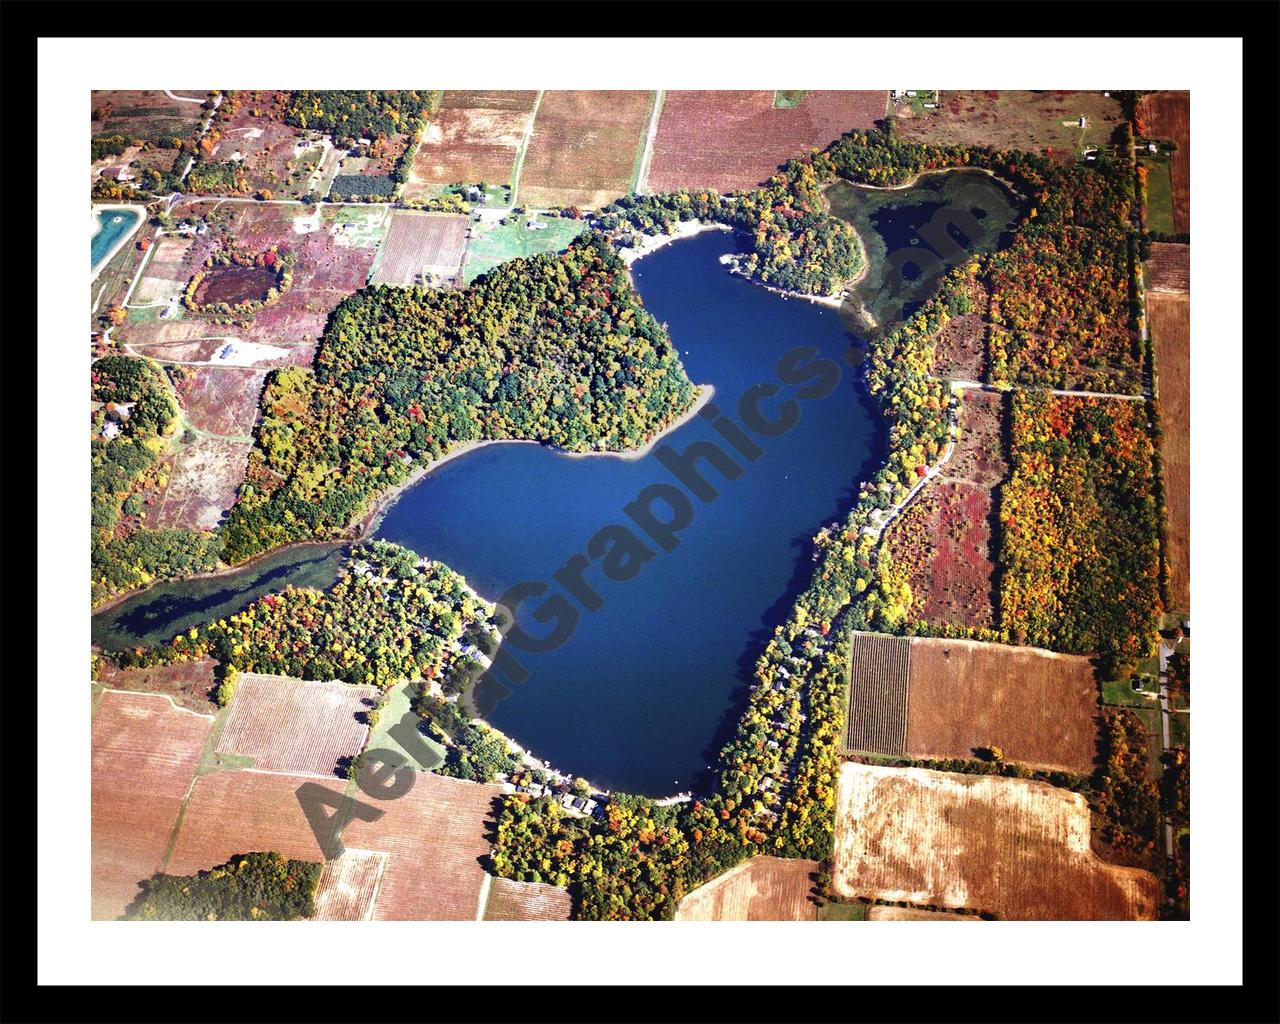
(1010, 847)
(1169, 268)
(527, 901)
(233, 812)
(1171, 331)
(474, 136)
(144, 758)
(349, 886)
(731, 140)
(1039, 708)
(435, 836)
(421, 243)
(1014, 120)
(762, 889)
(295, 726)
(207, 473)
(944, 537)
(1167, 115)
(187, 682)
(584, 148)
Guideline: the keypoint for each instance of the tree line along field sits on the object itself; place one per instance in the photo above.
(1010, 847)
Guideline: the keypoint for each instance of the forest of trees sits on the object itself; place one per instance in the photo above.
(384, 619)
(127, 475)
(356, 188)
(351, 114)
(1080, 529)
(248, 887)
(553, 348)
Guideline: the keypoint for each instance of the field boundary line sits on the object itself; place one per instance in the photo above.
(645, 158)
(517, 168)
(483, 900)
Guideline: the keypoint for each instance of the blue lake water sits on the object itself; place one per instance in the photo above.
(112, 226)
(649, 685)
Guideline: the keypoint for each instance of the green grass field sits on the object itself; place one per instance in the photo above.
(1119, 693)
(395, 709)
(1180, 730)
(494, 244)
(843, 912)
(786, 99)
(1159, 196)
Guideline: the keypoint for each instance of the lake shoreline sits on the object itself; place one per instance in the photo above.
(368, 524)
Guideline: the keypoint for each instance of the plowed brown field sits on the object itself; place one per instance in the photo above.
(527, 901)
(1039, 708)
(762, 889)
(727, 140)
(144, 757)
(1014, 848)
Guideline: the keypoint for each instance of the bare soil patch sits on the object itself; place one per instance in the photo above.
(1014, 848)
(207, 473)
(761, 889)
(883, 913)
(1039, 708)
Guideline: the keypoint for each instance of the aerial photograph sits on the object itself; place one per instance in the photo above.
(638, 505)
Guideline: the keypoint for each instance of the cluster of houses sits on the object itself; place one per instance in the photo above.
(581, 806)
(117, 413)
